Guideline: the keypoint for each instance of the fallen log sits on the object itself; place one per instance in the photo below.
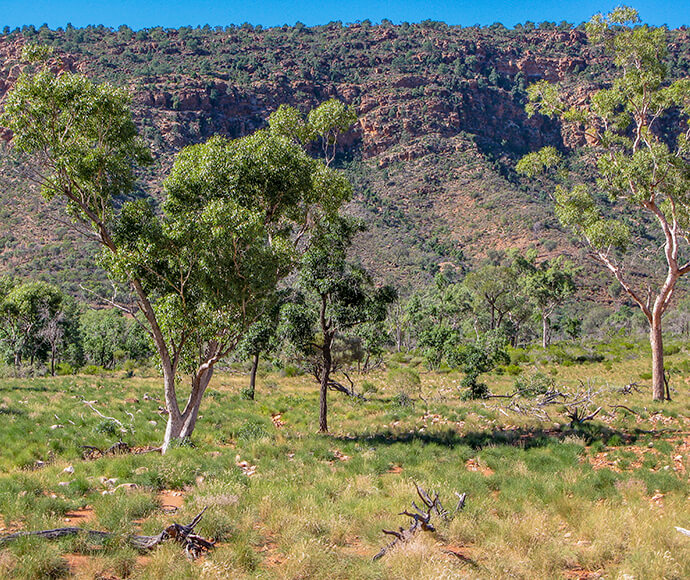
(194, 545)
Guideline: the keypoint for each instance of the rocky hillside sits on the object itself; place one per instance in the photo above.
(441, 123)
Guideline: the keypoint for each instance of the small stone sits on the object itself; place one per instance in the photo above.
(69, 469)
(152, 422)
(56, 426)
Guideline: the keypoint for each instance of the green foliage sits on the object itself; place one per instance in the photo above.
(108, 336)
(83, 137)
(538, 162)
(477, 358)
(533, 384)
(343, 295)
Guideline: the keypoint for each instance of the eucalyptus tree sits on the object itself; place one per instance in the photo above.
(546, 285)
(642, 165)
(437, 315)
(495, 293)
(201, 271)
(25, 312)
(334, 296)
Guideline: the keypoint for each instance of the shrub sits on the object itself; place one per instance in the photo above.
(513, 370)
(404, 380)
(473, 388)
(63, 369)
(671, 349)
(369, 387)
(291, 371)
(533, 384)
(403, 400)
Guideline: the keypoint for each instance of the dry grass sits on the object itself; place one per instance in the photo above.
(544, 500)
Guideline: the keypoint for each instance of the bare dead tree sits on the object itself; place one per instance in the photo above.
(420, 518)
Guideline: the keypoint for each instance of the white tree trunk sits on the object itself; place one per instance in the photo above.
(657, 344)
(181, 425)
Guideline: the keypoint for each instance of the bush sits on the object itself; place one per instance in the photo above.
(290, 371)
(513, 370)
(518, 356)
(369, 387)
(108, 427)
(404, 380)
(671, 349)
(63, 369)
(403, 400)
(473, 389)
(92, 370)
(533, 384)
(401, 357)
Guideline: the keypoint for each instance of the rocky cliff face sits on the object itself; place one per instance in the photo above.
(441, 115)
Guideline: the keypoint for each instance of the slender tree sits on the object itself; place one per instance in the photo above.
(546, 285)
(637, 134)
(336, 296)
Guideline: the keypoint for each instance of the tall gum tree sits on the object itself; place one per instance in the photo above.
(640, 164)
(206, 267)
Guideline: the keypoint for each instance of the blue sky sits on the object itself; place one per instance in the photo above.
(174, 13)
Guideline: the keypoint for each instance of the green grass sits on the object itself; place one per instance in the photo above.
(544, 500)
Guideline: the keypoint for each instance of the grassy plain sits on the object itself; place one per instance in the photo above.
(545, 500)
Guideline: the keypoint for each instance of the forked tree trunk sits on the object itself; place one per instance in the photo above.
(657, 344)
(181, 425)
(252, 376)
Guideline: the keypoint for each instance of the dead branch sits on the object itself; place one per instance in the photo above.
(90, 404)
(628, 409)
(334, 385)
(119, 448)
(578, 416)
(629, 388)
(421, 519)
(194, 545)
